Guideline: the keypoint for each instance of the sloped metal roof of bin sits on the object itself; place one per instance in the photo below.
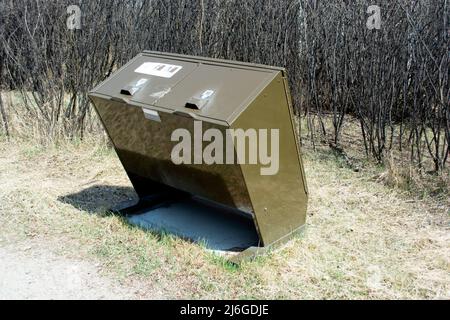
(171, 81)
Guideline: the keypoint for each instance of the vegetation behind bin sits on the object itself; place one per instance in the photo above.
(394, 80)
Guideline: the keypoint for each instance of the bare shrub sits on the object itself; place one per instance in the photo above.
(394, 80)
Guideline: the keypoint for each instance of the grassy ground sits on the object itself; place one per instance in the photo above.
(363, 239)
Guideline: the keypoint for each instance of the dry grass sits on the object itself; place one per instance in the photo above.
(25, 120)
(397, 171)
(364, 240)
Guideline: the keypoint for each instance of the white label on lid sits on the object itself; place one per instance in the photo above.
(158, 69)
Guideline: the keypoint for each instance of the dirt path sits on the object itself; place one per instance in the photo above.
(30, 272)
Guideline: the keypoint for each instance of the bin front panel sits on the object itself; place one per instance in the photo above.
(144, 147)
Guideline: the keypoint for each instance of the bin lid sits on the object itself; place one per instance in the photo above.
(200, 87)
(159, 74)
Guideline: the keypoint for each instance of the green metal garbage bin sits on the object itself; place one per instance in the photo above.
(217, 132)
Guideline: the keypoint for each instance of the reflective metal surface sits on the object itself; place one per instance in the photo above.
(144, 102)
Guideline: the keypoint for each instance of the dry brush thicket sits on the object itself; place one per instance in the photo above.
(394, 81)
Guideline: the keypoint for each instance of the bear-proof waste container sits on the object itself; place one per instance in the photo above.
(210, 148)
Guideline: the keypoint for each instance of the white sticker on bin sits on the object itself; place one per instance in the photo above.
(158, 69)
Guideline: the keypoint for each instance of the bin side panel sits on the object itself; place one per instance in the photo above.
(279, 200)
(144, 147)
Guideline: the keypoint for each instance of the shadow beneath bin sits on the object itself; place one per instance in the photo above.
(214, 227)
(100, 199)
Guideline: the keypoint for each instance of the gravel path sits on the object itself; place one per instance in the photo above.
(28, 272)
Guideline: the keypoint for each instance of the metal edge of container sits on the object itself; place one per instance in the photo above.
(213, 61)
(253, 252)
